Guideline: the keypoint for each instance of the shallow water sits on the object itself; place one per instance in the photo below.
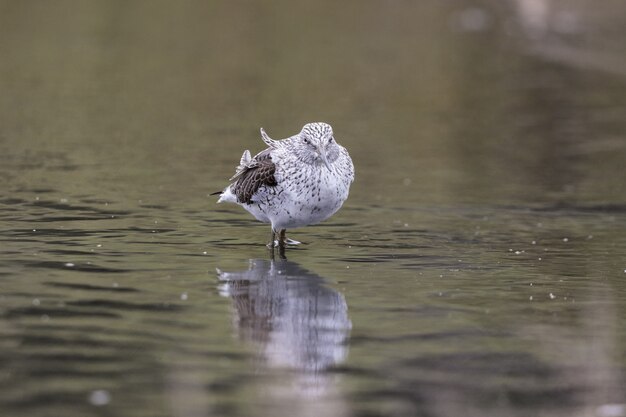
(477, 268)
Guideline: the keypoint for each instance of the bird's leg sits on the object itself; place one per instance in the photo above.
(281, 244)
(272, 241)
(284, 240)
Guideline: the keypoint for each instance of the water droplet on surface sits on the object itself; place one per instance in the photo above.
(99, 397)
(69, 264)
(184, 296)
(552, 296)
(565, 239)
(36, 302)
(534, 242)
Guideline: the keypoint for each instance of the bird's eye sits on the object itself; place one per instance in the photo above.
(306, 141)
(330, 140)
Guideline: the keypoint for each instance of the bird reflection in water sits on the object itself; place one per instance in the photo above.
(293, 320)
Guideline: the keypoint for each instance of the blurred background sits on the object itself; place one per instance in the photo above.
(521, 99)
(477, 268)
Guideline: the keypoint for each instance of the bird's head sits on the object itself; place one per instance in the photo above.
(316, 144)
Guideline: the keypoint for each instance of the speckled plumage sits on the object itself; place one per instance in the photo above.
(295, 182)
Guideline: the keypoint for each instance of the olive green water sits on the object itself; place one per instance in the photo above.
(478, 267)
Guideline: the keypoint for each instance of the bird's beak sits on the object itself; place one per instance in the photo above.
(322, 153)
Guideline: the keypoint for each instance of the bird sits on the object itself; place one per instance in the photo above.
(295, 182)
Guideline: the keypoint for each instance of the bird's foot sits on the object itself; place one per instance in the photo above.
(288, 241)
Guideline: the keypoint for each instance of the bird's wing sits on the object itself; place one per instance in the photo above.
(257, 172)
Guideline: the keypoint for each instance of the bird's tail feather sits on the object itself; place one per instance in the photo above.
(244, 164)
(227, 196)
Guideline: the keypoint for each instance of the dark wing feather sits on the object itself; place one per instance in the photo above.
(259, 172)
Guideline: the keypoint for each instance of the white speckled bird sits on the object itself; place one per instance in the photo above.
(295, 182)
